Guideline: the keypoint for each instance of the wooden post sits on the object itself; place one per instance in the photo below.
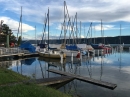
(7, 41)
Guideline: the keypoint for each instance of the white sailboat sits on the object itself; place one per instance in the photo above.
(51, 53)
(63, 47)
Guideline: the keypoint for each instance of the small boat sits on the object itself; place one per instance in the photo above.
(52, 54)
(97, 46)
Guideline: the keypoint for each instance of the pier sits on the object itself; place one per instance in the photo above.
(53, 80)
(86, 79)
(17, 52)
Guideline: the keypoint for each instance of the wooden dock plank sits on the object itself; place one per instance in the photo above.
(53, 80)
(86, 79)
(18, 54)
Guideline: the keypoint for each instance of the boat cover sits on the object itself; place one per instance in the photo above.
(72, 47)
(28, 46)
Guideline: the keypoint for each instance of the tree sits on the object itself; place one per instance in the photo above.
(6, 31)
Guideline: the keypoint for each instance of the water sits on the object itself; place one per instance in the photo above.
(113, 68)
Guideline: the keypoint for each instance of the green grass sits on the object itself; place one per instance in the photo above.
(23, 89)
(29, 90)
(8, 76)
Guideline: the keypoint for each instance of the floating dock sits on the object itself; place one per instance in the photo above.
(19, 54)
(53, 80)
(86, 79)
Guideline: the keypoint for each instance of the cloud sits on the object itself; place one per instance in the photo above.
(104, 27)
(88, 10)
(105, 60)
(13, 24)
(110, 11)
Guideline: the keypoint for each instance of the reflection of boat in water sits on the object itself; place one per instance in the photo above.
(28, 61)
(77, 60)
(48, 59)
(53, 62)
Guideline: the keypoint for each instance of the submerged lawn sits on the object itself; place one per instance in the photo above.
(23, 89)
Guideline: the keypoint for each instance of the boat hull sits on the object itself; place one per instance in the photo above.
(49, 55)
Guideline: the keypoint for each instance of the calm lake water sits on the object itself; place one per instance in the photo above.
(113, 68)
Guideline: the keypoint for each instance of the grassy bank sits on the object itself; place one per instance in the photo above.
(7, 89)
(8, 76)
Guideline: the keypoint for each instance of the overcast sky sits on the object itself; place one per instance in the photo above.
(113, 13)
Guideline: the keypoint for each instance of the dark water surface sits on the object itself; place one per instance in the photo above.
(113, 68)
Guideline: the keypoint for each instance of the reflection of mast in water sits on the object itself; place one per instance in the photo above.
(88, 63)
(120, 61)
(72, 86)
(45, 69)
(17, 65)
(102, 62)
(73, 67)
(21, 67)
(35, 71)
(41, 70)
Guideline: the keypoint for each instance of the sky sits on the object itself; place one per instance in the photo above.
(114, 14)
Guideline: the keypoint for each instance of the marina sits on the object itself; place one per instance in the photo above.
(80, 50)
(98, 72)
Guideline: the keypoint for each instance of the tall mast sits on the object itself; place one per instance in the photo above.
(48, 28)
(94, 34)
(84, 33)
(64, 22)
(76, 25)
(35, 37)
(101, 30)
(80, 31)
(91, 34)
(21, 22)
(120, 33)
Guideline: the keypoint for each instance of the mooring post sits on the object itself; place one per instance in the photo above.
(98, 52)
(61, 58)
(72, 57)
(80, 55)
(88, 53)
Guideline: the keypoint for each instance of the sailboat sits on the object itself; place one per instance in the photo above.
(51, 53)
(102, 47)
(69, 49)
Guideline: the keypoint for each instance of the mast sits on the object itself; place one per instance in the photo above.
(21, 22)
(48, 28)
(103, 36)
(80, 31)
(101, 30)
(94, 34)
(35, 37)
(91, 34)
(64, 22)
(76, 25)
(120, 34)
(84, 33)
